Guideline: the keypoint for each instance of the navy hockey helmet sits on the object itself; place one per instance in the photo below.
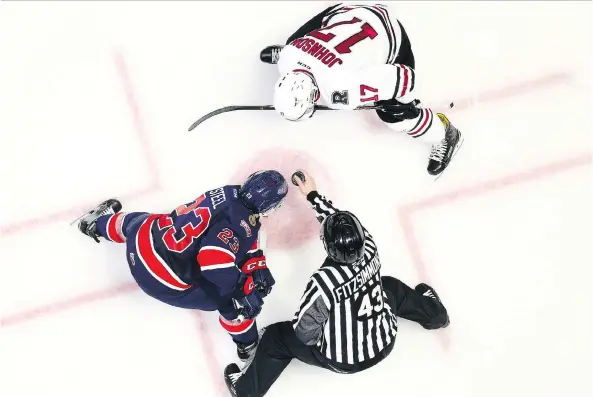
(343, 237)
(264, 191)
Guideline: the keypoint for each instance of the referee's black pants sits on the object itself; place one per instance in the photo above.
(277, 347)
(279, 344)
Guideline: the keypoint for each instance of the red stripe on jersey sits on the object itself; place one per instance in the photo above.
(211, 256)
(421, 127)
(155, 265)
(406, 79)
(114, 228)
(382, 12)
(235, 327)
(333, 13)
(254, 247)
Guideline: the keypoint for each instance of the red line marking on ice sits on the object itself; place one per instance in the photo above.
(72, 213)
(212, 359)
(128, 87)
(69, 303)
(68, 214)
(407, 211)
(502, 182)
(509, 91)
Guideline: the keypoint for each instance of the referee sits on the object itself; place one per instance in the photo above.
(346, 321)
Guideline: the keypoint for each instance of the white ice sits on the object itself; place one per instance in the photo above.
(91, 91)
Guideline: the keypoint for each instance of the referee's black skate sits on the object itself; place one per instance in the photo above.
(442, 319)
(271, 54)
(244, 351)
(442, 153)
(88, 222)
(232, 373)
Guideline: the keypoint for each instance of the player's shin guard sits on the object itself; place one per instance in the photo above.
(244, 334)
(114, 227)
(423, 125)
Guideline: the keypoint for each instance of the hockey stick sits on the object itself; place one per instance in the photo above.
(233, 108)
(389, 107)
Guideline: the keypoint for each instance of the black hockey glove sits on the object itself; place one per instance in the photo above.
(257, 268)
(247, 299)
(401, 111)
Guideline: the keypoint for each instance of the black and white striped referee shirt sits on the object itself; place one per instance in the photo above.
(344, 311)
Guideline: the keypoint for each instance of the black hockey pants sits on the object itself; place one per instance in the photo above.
(279, 344)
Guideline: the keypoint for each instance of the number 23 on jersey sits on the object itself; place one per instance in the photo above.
(197, 224)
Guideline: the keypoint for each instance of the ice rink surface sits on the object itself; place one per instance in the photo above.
(95, 102)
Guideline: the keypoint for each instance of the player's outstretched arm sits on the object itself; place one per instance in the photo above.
(217, 258)
(322, 206)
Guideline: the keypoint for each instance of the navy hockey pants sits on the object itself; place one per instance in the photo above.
(157, 279)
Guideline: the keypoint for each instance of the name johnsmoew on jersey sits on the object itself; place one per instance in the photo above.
(347, 289)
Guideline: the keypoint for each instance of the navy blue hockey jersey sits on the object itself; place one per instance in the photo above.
(208, 238)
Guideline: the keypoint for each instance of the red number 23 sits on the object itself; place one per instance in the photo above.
(226, 235)
(190, 231)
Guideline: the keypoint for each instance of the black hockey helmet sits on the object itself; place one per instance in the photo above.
(343, 237)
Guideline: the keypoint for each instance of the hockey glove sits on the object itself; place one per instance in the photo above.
(257, 268)
(401, 111)
(248, 300)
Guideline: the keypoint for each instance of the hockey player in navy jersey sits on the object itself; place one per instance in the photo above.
(351, 56)
(205, 254)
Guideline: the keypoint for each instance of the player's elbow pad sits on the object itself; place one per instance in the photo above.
(213, 258)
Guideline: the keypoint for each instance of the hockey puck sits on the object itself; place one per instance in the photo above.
(297, 174)
(451, 105)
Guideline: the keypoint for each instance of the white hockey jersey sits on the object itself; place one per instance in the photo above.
(351, 58)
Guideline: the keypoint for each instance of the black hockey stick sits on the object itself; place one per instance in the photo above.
(233, 108)
(393, 107)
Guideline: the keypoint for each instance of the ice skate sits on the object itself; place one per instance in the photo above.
(88, 222)
(271, 54)
(232, 373)
(442, 153)
(244, 351)
(428, 291)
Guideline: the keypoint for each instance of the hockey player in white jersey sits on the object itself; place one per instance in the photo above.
(353, 56)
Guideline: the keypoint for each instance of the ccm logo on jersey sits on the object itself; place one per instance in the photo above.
(254, 264)
(318, 51)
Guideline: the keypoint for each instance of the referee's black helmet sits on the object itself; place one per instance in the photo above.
(343, 237)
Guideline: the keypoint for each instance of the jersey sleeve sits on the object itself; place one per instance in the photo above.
(309, 320)
(370, 84)
(217, 257)
(322, 206)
